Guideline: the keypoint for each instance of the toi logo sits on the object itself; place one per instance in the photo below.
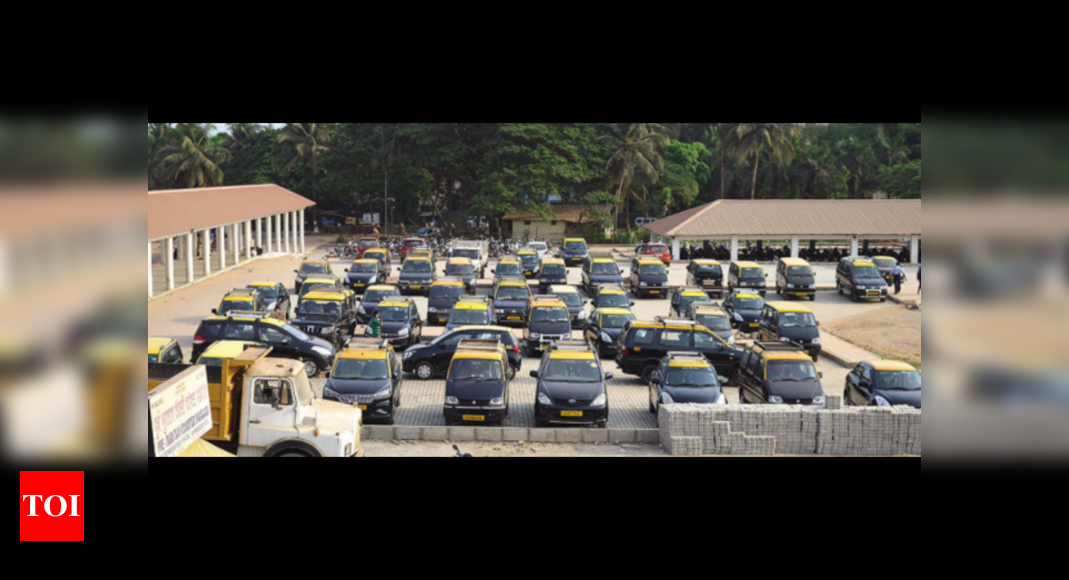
(60, 496)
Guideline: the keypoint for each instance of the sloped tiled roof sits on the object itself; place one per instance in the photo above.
(177, 211)
(565, 212)
(731, 217)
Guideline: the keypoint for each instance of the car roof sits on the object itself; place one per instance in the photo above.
(689, 364)
(320, 281)
(604, 261)
(226, 348)
(786, 355)
(365, 353)
(402, 302)
(156, 344)
(747, 264)
(562, 289)
(890, 365)
(456, 283)
(706, 262)
(862, 263)
(365, 261)
(325, 295)
(794, 261)
(465, 305)
(746, 295)
(549, 303)
(483, 327)
(508, 261)
(787, 307)
(551, 261)
(693, 293)
(614, 311)
(512, 282)
(575, 240)
(460, 260)
(382, 287)
(262, 284)
(611, 290)
(571, 355)
(642, 261)
(525, 252)
(237, 298)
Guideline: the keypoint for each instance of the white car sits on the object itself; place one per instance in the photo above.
(541, 248)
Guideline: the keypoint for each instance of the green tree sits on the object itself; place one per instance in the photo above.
(772, 138)
(240, 137)
(303, 142)
(901, 181)
(686, 169)
(638, 157)
(188, 160)
(857, 156)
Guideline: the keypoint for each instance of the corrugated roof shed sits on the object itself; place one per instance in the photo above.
(177, 211)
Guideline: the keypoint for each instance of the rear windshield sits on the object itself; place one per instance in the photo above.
(513, 293)
(575, 246)
(314, 269)
(615, 320)
(708, 269)
(446, 292)
(652, 269)
(460, 269)
(799, 271)
(752, 273)
(604, 269)
(364, 268)
(656, 248)
(417, 267)
(378, 295)
(470, 369)
(553, 269)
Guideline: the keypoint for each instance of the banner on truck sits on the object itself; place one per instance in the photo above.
(180, 412)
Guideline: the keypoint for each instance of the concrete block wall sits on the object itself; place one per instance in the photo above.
(789, 429)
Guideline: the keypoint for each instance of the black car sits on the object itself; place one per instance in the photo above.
(707, 275)
(326, 314)
(510, 302)
(311, 269)
(886, 264)
(713, 317)
(649, 277)
(600, 271)
(529, 259)
(685, 377)
(241, 300)
(471, 310)
(570, 296)
(611, 297)
(552, 271)
(883, 383)
(275, 296)
(313, 284)
(363, 273)
(778, 373)
(684, 296)
(507, 269)
(783, 321)
(573, 250)
(476, 385)
(372, 297)
(286, 341)
(548, 321)
(417, 275)
(861, 280)
(571, 387)
(401, 323)
(744, 310)
(367, 374)
(794, 279)
(441, 299)
(643, 344)
(603, 328)
(430, 360)
(463, 270)
(748, 276)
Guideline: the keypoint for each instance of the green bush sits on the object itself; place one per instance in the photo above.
(633, 237)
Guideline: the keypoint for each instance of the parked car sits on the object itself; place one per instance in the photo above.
(573, 250)
(321, 283)
(401, 322)
(367, 374)
(285, 340)
(366, 244)
(164, 350)
(541, 249)
(551, 271)
(463, 270)
(612, 297)
(794, 279)
(571, 386)
(471, 310)
(364, 273)
(432, 359)
(327, 314)
(707, 275)
(644, 343)
(476, 385)
(416, 275)
(571, 298)
(603, 328)
(440, 301)
(682, 298)
(883, 383)
(412, 244)
(885, 264)
(598, 272)
(649, 277)
(747, 275)
(510, 302)
(785, 321)
(744, 310)
(654, 250)
(507, 268)
(241, 299)
(547, 321)
(860, 280)
(685, 377)
(309, 268)
(530, 260)
(275, 295)
(372, 297)
(713, 317)
(778, 373)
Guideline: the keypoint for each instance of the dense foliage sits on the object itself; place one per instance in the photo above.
(492, 169)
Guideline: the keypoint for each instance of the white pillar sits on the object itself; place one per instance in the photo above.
(169, 260)
(302, 231)
(270, 245)
(913, 249)
(734, 249)
(190, 250)
(248, 240)
(150, 269)
(220, 244)
(293, 229)
(260, 233)
(286, 232)
(794, 247)
(206, 245)
(853, 245)
(235, 245)
(675, 248)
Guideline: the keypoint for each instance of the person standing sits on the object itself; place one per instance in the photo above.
(918, 279)
(376, 324)
(899, 276)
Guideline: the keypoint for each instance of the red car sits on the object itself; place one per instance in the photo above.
(659, 251)
(412, 244)
(366, 244)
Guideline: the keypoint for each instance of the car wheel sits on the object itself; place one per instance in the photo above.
(311, 368)
(813, 297)
(652, 408)
(838, 289)
(541, 424)
(604, 425)
(647, 372)
(424, 371)
(511, 373)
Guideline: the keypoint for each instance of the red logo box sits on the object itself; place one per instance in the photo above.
(54, 505)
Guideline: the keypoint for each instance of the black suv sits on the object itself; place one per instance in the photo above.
(600, 271)
(276, 297)
(363, 273)
(443, 295)
(401, 323)
(782, 321)
(707, 275)
(778, 373)
(794, 279)
(649, 277)
(551, 271)
(372, 297)
(861, 280)
(430, 360)
(285, 340)
(744, 311)
(747, 275)
(571, 386)
(643, 344)
(326, 314)
(684, 296)
(367, 374)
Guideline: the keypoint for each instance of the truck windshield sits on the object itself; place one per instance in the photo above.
(360, 370)
(469, 369)
(459, 270)
(604, 269)
(572, 371)
(417, 267)
(513, 293)
(304, 390)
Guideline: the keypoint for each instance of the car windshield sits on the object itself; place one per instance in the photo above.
(210, 361)
(616, 320)
(553, 270)
(417, 267)
(471, 369)
(752, 273)
(885, 262)
(791, 371)
(266, 292)
(360, 370)
(708, 270)
(232, 305)
(713, 322)
(685, 301)
(575, 246)
(571, 299)
(866, 272)
(508, 270)
(513, 293)
(469, 317)
(296, 333)
(529, 258)
(749, 304)
(376, 296)
(459, 270)
(319, 307)
(604, 269)
(314, 269)
(572, 371)
(796, 319)
(898, 380)
(369, 243)
(393, 314)
(309, 288)
(613, 301)
(549, 315)
(472, 254)
(439, 292)
(652, 269)
(799, 271)
(691, 378)
(364, 268)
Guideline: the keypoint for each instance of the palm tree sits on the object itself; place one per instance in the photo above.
(895, 147)
(639, 153)
(381, 157)
(238, 139)
(189, 160)
(858, 159)
(303, 142)
(157, 136)
(774, 138)
(728, 136)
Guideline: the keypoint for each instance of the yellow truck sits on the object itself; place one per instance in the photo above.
(267, 408)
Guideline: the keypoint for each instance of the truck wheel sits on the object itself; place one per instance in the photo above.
(293, 448)
(425, 371)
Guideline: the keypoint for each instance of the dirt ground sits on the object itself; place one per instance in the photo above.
(510, 449)
(893, 333)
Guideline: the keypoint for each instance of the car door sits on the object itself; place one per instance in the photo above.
(447, 348)
(277, 339)
(593, 328)
(416, 323)
(716, 351)
(852, 380)
(864, 387)
(742, 376)
(266, 424)
(763, 330)
(675, 301)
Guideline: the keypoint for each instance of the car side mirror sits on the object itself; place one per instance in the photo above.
(608, 376)
(347, 269)
(818, 323)
(285, 341)
(534, 374)
(820, 375)
(632, 303)
(326, 374)
(296, 272)
(213, 311)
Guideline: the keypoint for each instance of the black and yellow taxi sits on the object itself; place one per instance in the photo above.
(367, 374)
(644, 343)
(507, 268)
(276, 297)
(713, 317)
(649, 277)
(432, 359)
(476, 385)
(322, 283)
(749, 276)
(310, 268)
(241, 300)
(783, 321)
(547, 321)
(778, 373)
(573, 250)
(883, 383)
(223, 350)
(744, 310)
(683, 296)
(603, 328)
(471, 310)
(571, 386)
(685, 377)
(327, 314)
(529, 260)
(707, 275)
(363, 273)
(860, 280)
(416, 275)
(794, 279)
(886, 265)
(510, 302)
(600, 272)
(444, 294)
(571, 298)
(285, 340)
(462, 269)
(401, 322)
(372, 296)
(612, 297)
(380, 254)
(423, 253)
(551, 271)
(164, 350)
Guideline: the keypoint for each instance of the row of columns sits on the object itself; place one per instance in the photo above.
(914, 247)
(288, 238)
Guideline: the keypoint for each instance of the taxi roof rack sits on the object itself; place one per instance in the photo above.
(473, 344)
(569, 344)
(674, 320)
(475, 299)
(681, 354)
(246, 314)
(535, 297)
(367, 342)
(243, 291)
(781, 345)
